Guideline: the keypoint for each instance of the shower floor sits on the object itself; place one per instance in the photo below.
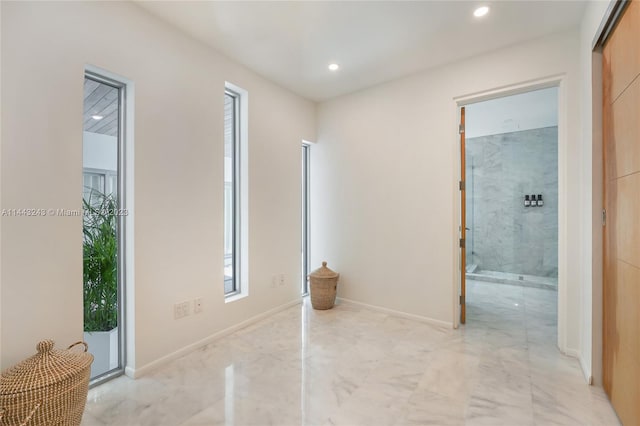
(474, 273)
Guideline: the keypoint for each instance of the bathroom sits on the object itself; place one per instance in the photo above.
(512, 190)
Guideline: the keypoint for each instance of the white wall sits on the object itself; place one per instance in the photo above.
(99, 151)
(179, 87)
(385, 171)
(591, 192)
(523, 111)
(1, 204)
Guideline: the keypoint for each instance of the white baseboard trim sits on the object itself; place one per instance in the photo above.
(574, 353)
(585, 370)
(130, 372)
(400, 314)
(136, 373)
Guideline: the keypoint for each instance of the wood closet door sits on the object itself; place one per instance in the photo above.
(621, 293)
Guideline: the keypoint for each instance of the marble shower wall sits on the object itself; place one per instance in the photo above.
(504, 235)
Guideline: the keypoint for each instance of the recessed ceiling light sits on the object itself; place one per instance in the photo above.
(481, 11)
(97, 117)
(334, 67)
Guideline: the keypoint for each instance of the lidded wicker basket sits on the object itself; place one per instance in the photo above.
(323, 287)
(49, 388)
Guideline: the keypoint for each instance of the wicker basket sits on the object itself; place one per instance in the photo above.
(49, 388)
(323, 287)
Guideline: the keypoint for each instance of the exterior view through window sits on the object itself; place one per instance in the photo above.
(101, 226)
(305, 218)
(231, 194)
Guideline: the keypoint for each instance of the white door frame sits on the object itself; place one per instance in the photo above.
(460, 101)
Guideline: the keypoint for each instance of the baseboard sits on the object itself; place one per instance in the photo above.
(136, 373)
(130, 372)
(585, 370)
(574, 353)
(400, 314)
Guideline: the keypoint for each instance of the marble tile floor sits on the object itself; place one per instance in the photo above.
(355, 366)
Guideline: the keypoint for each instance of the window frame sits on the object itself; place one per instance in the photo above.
(124, 139)
(236, 207)
(306, 226)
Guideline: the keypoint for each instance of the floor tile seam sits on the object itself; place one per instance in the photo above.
(464, 400)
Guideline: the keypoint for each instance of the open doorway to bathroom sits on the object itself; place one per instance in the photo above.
(511, 221)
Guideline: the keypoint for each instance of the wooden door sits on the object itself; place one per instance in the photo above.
(463, 223)
(621, 292)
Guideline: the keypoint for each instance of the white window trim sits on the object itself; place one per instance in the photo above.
(243, 140)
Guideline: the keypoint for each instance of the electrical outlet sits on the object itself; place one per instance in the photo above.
(186, 308)
(281, 279)
(181, 310)
(197, 305)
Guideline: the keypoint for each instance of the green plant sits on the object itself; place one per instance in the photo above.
(100, 266)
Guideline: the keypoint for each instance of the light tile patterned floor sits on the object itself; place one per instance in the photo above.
(354, 366)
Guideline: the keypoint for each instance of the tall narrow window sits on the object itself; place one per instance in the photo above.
(103, 224)
(305, 217)
(231, 193)
(236, 193)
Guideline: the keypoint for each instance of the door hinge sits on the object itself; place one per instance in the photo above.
(461, 128)
(461, 185)
(604, 217)
(462, 300)
(461, 242)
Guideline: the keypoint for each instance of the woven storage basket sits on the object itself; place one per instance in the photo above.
(49, 388)
(324, 286)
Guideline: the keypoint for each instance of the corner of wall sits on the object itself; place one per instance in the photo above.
(591, 194)
(590, 353)
(586, 370)
(597, 205)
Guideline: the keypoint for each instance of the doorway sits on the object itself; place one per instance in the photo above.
(103, 224)
(509, 200)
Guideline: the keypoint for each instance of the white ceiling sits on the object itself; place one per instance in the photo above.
(292, 43)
